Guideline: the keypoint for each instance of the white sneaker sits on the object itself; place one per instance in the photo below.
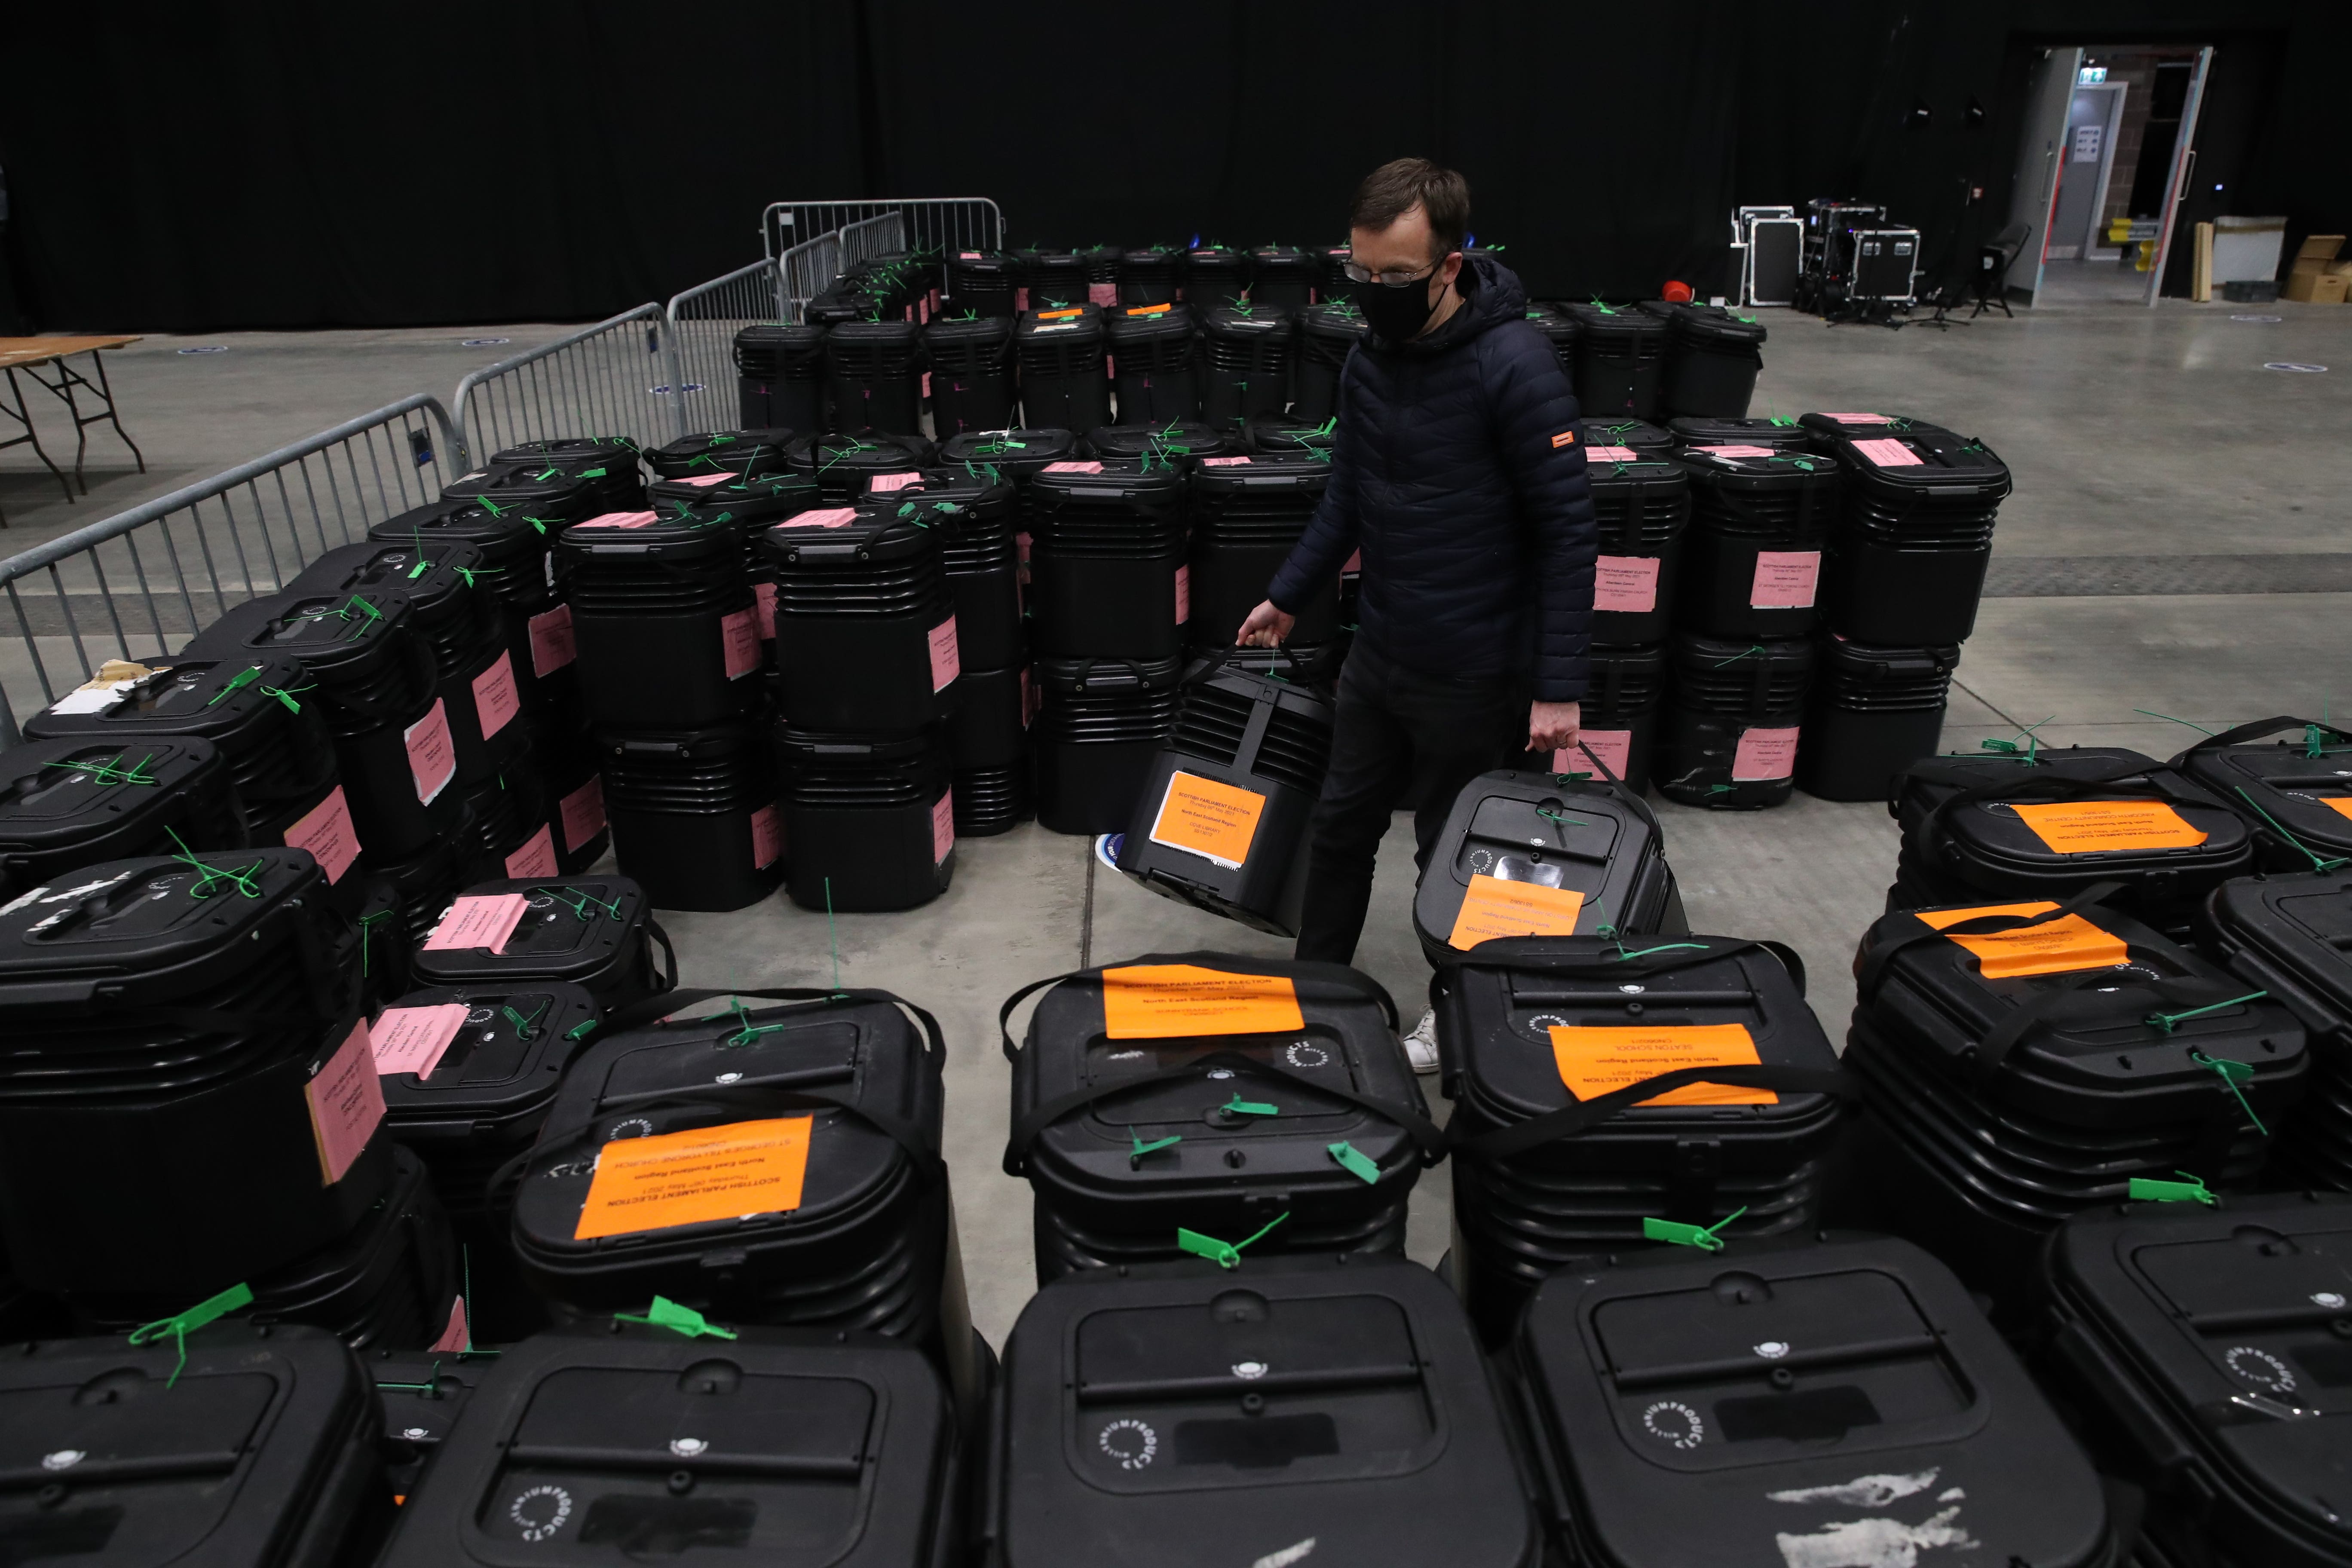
(1420, 1044)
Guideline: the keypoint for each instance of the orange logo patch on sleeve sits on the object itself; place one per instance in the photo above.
(1565, 438)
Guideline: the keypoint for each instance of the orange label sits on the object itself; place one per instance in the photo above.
(2341, 804)
(2089, 826)
(694, 1177)
(2051, 948)
(1168, 1001)
(1148, 309)
(1209, 818)
(1057, 315)
(1597, 1061)
(1565, 438)
(1492, 908)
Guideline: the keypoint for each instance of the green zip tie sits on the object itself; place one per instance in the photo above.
(197, 1317)
(2168, 719)
(666, 1314)
(1354, 1161)
(2165, 1021)
(544, 475)
(1237, 1106)
(1664, 947)
(580, 908)
(1561, 818)
(594, 473)
(1749, 652)
(285, 697)
(1224, 1254)
(580, 1029)
(1138, 1148)
(367, 928)
(2233, 1073)
(112, 773)
(534, 523)
(2316, 863)
(2188, 1189)
(1681, 1234)
(2030, 751)
(496, 511)
(748, 1031)
(241, 881)
(522, 1024)
(422, 568)
(237, 684)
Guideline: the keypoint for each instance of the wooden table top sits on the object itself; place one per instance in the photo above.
(37, 351)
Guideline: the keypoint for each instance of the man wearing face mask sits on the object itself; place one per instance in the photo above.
(1458, 469)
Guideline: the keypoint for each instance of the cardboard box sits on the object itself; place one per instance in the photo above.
(2318, 248)
(2313, 287)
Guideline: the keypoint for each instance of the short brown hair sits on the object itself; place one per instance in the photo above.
(1395, 188)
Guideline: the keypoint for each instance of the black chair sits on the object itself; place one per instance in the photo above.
(1994, 258)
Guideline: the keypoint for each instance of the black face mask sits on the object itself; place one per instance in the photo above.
(1395, 313)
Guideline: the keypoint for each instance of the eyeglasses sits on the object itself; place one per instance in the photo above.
(1392, 279)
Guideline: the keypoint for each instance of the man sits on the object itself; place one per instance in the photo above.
(1457, 468)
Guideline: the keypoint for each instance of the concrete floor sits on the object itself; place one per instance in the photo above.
(2148, 446)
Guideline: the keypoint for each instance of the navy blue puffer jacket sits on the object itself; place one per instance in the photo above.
(1456, 468)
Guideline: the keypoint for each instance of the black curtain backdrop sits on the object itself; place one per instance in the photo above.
(214, 165)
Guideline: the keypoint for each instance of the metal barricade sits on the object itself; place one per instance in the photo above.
(139, 583)
(875, 236)
(941, 222)
(700, 340)
(611, 379)
(808, 270)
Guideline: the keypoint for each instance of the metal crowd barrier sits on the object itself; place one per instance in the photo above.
(700, 340)
(611, 379)
(809, 268)
(875, 236)
(945, 223)
(137, 584)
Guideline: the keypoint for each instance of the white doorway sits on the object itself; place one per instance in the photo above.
(2085, 163)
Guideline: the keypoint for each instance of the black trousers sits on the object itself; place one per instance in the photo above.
(1395, 729)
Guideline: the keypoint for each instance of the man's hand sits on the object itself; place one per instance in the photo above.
(1267, 626)
(1552, 726)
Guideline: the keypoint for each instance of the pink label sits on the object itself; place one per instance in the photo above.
(1028, 698)
(1183, 594)
(1613, 747)
(739, 641)
(550, 640)
(943, 827)
(1102, 294)
(764, 605)
(1221, 462)
(701, 481)
(947, 663)
(923, 314)
(909, 312)
(1020, 299)
(1355, 564)
(1857, 419)
(583, 814)
(456, 1337)
(621, 519)
(767, 837)
(885, 482)
(1764, 755)
(1110, 368)
(1785, 580)
(1022, 541)
(1611, 455)
(926, 384)
(326, 831)
(1888, 453)
(967, 255)
(432, 755)
(496, 700)
(1625, 582)
(346, 1104)
(481, 919)
(1074, 468)
(411, 1039)
(823, 516)
(1740, 451)
(536, 858)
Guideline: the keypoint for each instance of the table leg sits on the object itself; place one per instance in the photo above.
(63, 390)
(30, 437)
